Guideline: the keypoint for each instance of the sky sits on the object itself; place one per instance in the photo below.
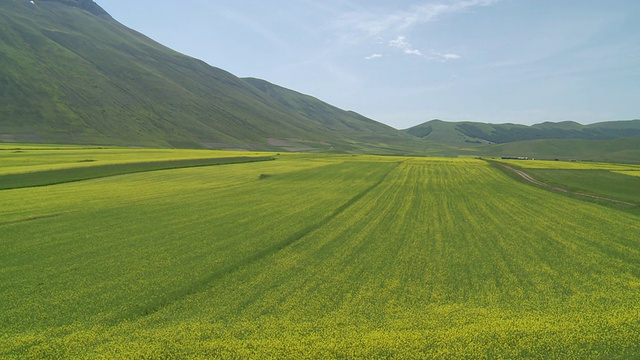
(405, 62)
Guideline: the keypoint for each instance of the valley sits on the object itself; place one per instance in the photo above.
(313, 255)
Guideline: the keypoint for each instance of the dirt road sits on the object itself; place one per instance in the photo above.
(530, 179)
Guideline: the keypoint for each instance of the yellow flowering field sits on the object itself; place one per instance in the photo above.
(316, 256)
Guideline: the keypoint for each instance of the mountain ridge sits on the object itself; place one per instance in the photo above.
(88, 5)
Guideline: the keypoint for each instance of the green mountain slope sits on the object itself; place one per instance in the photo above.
(72, 74)
(361, 133)
(446, 132)
(470, 133)
(617, 141)
(319, 112)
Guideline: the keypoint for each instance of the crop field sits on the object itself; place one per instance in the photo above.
(313, 256)
(614, 181)
(23, 158)
(49, 166)
(569, 165)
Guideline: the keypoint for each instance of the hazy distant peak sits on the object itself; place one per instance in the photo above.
(87, 5)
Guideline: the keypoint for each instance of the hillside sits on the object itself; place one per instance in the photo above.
(617, 150)
(444, 132)
(617, 141)
(361, 131)
(474, 134)
(72, 74)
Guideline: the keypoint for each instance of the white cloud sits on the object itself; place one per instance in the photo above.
(376, 23)
(374, 26)
(413, 52)
(402, 43)
(446, 57)
(374, 56)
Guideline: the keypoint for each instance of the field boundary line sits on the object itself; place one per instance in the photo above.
(527, 177)
(83, 173)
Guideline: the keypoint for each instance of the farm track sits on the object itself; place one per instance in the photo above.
(527, 177)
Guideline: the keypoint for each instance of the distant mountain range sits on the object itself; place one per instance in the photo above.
(604, 141)
(70, 73)
(479, 133)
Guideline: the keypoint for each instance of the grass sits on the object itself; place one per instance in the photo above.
(329, 256)
(613, 181)
(40, 165)
(59, 176)
(32, 158)
(618, 150)
(597, 182)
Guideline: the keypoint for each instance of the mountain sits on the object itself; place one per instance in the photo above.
(72, 74)
(475, 134)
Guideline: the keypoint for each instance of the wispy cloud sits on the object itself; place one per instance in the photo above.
(401, 43)
(445, 57)
(379, 25)
(376, 23)
(373, 56)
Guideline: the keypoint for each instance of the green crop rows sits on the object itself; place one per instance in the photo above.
(315, 256)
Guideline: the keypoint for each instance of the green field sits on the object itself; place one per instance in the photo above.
(619, 182)
(311, 256)
(41, 166)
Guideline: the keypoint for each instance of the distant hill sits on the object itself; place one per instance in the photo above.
(445, 132)
(617, 141)
(616, 150)
(475, 134)
(70, 73)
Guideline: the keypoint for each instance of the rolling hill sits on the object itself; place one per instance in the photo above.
(616, 141)
(472, 133)
(72, 74)
(616, 150)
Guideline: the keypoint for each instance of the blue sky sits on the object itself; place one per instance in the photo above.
(405, 62)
